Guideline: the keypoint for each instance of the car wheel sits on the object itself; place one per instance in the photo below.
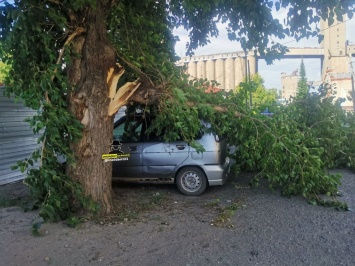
(191, 181)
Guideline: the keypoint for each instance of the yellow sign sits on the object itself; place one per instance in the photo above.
(109, 156)
(115, 157)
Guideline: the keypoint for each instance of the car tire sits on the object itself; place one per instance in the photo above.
(191, 181)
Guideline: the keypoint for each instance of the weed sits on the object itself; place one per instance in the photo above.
(157, 198)
(74, 221)
(225, 214)
(35, 228)
(213, 203)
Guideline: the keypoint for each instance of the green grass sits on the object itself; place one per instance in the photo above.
(14, 202)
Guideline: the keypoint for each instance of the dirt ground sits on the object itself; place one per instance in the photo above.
(232, 224)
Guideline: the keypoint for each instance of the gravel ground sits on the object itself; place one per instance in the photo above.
(228, 225)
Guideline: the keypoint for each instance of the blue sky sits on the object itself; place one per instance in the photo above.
(270, 73)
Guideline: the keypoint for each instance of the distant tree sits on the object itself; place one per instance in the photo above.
(275, 91)
(261, 96)
(4, 68)
(302, 86)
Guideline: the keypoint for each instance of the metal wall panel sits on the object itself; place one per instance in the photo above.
(17, 140)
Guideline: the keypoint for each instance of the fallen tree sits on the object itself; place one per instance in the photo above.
(79, 61)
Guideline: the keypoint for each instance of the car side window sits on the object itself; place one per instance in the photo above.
(118, 132)
(129, 131)
(153, 136)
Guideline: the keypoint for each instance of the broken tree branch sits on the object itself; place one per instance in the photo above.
(122, 96)
(217, 108)
(113, 76)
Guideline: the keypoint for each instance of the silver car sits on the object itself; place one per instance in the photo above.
(138, 156)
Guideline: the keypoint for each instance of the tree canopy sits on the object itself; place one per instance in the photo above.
(78, 61)
(260, 96)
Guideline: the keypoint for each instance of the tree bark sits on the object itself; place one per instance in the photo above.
(93, 56)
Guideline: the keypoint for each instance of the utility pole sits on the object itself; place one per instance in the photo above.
(352, 83)
(246, 77)
(353, 90)
(247, 80)
(250, 93)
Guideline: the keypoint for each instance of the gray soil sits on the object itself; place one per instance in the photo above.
(227, 225)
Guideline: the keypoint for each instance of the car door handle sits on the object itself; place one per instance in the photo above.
(180, 147)
(132, 148)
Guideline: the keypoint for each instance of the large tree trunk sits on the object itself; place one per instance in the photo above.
(92, 59)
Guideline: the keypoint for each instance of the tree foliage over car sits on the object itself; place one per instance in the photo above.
(77, 61)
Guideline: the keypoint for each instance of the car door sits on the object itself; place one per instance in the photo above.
(128, 144)
(160, 159)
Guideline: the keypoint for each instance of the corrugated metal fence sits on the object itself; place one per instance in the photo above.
(17, 140)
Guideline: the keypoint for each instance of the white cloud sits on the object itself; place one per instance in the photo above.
(217, 45)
